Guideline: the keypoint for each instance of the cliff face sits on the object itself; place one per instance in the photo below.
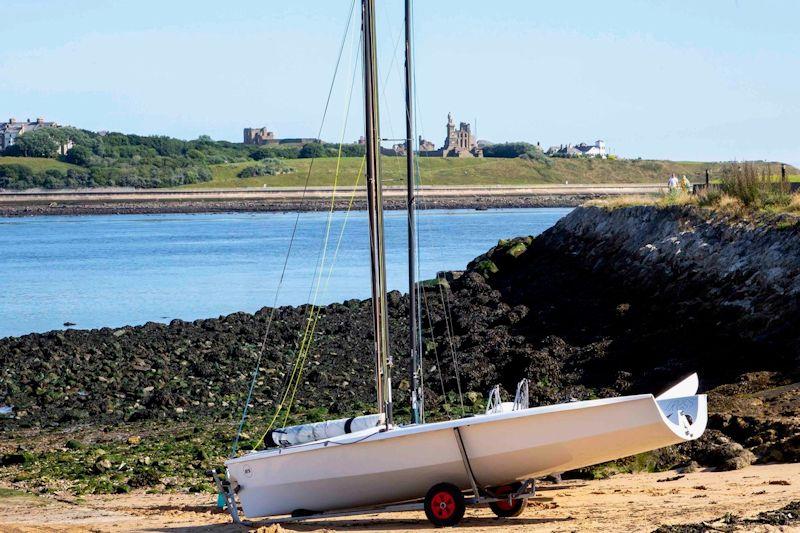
(607, 302)
(629, 300)
(740, 276)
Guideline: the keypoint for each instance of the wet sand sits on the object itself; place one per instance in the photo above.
(623, 503)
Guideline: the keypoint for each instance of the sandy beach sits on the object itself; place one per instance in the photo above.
(624, 503)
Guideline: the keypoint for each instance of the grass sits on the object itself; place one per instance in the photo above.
(439, 171)
(38, 163)
(11, 493)
(746, 188)
(486, 171)
(723, 203)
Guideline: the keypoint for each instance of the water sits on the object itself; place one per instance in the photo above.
(119, 270)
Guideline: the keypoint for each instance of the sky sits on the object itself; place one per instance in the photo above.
(680, 79)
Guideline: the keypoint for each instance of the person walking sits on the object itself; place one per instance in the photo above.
(672, 183)
(686, 185)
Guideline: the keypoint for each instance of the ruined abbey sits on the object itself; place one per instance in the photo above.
(459, 142)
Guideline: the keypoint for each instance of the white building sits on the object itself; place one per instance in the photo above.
(598, 149)
(9, 131)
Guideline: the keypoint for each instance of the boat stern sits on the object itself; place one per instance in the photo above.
(684, 411)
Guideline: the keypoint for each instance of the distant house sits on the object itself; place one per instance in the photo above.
(9, 131)
(598, 149)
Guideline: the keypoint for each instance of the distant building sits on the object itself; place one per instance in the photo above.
(9, 131)
(426, 146)
(258, 136)
(399, 149)
(598, 149)
(262, 136)
(458, 143)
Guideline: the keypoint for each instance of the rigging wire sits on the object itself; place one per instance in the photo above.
(448, 323)
(422, 207)
(392, 68)
(262, 349)
(314, 313)
(433, 337)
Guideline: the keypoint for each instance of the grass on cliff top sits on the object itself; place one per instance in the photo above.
(724, 203)
(485, 171)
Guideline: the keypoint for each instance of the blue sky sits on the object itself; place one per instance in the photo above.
(686, 80)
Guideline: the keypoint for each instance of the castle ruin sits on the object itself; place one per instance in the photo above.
(262, 136)
(258, 136)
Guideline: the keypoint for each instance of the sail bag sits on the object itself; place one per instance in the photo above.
(303, 433)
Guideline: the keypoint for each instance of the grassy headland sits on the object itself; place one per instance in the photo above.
(476, 172)
(122, 160)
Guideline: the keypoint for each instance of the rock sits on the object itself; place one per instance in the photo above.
(102, 464)
(472, 397)
(716, 450)
(18, 458)
(742, 459)
(273, 528)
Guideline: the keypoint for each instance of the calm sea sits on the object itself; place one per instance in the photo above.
(121, 270)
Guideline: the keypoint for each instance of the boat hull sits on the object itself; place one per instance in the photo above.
(402, 464)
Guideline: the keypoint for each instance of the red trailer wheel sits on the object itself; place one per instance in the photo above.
(444, 505)
(504, 508)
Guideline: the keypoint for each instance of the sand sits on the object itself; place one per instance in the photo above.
(630, 502)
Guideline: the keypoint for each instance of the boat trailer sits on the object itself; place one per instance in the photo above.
(478, 497)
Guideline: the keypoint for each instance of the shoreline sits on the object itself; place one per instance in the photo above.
(260, 206)
(137, 202)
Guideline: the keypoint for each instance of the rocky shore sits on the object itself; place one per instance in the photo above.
(609, 301)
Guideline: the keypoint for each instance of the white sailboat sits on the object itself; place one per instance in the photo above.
(369, 463)
(378, 466)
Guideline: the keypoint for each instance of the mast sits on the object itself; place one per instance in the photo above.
(383, 361)
(417, 401)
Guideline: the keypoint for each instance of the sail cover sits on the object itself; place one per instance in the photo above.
(303, 433)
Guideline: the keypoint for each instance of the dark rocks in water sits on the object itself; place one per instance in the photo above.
(605, 303)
